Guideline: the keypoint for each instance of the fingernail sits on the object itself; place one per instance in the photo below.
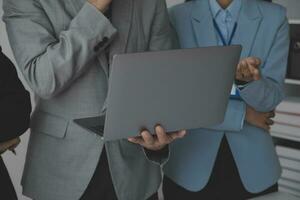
(158, 127)
(183, 133)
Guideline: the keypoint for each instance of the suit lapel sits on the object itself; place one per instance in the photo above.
(248, 25)
(121, 19)
(202, 23)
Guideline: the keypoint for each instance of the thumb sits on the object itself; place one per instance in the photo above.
(254, 61)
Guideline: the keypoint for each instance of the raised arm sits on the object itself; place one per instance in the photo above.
(50, 62)
(265, 94)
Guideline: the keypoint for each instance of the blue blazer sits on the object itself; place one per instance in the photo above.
(263, 31)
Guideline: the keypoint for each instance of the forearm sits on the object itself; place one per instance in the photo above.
(234, 117)
(50, 63)
(263, 95)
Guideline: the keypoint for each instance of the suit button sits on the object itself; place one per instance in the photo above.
(101, 44)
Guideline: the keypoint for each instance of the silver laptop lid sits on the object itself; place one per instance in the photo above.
(179, 89)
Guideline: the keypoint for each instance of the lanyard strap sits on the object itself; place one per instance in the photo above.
(222, 36)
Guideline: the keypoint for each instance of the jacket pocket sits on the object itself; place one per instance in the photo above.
(49, 124)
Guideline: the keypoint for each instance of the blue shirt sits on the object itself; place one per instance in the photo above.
(225, 18)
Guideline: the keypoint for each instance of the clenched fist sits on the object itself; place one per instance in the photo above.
(248, 69)
(101, 5)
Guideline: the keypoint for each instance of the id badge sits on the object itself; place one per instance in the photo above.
(234, 93)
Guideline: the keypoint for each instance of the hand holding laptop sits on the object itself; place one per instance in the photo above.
(181, 105)
(159, 140)
(248, 69)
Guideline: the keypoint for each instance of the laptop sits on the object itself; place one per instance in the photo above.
(178, 89)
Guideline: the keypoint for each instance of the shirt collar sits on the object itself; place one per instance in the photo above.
(233, 9)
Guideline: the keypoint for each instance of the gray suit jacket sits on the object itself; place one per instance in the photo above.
(60, 49)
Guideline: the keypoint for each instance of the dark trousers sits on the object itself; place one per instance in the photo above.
(224, 184)
(7, 190)
(101, 186)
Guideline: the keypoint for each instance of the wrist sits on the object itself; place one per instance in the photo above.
(100, 7)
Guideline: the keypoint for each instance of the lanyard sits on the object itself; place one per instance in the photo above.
(236, 95)
(222, 36)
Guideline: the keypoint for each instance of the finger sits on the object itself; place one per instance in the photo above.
(257, 61)
(265, 127)
(246, 72)
(255, 73)
(178, 135)
(238, 76)
(244, 63)
(2, 152)
(148, 138)
(253, 69)
(269, 122)
(238, 73)
(136, 140)
(247, 76)
(162, 137)
(244, 67)
(12, 144)
(5, 146)
(253, 61)
(13, 147)
(240, 66)
(271, 114)
(16, 142)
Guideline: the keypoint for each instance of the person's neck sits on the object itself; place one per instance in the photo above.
(224, 3)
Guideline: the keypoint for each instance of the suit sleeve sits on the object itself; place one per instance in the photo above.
(163, 37)
(15, 106)
(264, 95)
(51, 62)
(234, 117)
